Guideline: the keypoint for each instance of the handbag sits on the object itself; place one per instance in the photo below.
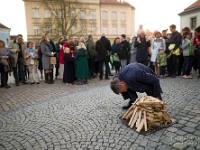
(6, 65)
(176, 52)
(108, 53)
(52, 60)
(116, 58)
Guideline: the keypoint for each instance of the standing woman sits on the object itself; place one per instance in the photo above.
(133, 51)
(4, 52)
(115, 48)
(58, 48)
(47, 52)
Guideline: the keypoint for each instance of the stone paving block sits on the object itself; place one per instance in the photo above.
(179, 145)
(188, 129)
(181, 133)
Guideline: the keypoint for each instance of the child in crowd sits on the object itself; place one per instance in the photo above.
(69, 67)
(82, 69)
(162, 62)
(188, 53)
(31, 61)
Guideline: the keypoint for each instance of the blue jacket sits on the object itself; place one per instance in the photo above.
(139, 78)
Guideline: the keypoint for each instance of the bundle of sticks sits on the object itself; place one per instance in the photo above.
(147, 113)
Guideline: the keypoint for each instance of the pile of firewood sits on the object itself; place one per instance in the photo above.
(147, 113)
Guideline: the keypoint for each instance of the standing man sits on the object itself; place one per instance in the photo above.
(136, 77)
(124, 51)
(175, 39)
(103, 48)
(17, 48)
(92, 54)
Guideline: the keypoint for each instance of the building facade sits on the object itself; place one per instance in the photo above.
(5, 34)
(105, 16)
(190, 17)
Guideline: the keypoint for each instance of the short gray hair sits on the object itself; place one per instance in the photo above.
(115, 86)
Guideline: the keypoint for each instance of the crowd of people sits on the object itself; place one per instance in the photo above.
(168, 55)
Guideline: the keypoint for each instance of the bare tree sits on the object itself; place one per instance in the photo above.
(65, 17)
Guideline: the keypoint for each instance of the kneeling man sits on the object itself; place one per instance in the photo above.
(136, 77)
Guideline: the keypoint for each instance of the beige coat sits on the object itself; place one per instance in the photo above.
(28, 59)
(13, 47)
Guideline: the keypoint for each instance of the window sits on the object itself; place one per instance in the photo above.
(73, 29)
(36, 30)
(83, 16)
(114, 30)
(123, 16)
(92, 15)
(73, 14)
(49, 28)
(59, 13)
(47, 13)
(84, 30)
(105, 30)
(36, 13)
(193, 22)
(123, 30)
(114, 16)
(93, 30)
(104, 15)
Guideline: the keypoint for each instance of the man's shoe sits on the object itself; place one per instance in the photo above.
(100, 78)
(6, 87)
(25, 82)
(199, 76)
(38, 82)
(110, 74)
(169, 75)
(107, 78)
(17, 84)
(173, 76)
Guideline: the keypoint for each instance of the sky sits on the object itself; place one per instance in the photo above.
(153, 14)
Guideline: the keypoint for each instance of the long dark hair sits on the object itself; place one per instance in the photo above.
(114, 43)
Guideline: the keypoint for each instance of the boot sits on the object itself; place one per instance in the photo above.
(3, 77)
(85, 82)
(46, 77)
(80, 82)
(51, 78)
(128, 106)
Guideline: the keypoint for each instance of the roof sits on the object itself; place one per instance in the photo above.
(3, 26)
(194, 5)
(118, 2)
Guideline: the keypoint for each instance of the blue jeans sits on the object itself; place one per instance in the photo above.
(20, 65)
(187, 65)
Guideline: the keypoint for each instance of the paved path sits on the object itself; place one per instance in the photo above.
(86, 117)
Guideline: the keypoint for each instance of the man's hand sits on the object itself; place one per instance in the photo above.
(18, 50)
(5, 57)
(158, 65)
(52, 55)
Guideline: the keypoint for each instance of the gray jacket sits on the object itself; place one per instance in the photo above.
(46, 54)
(184, 46)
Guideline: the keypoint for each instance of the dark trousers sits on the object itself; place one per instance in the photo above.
(4, 79)
(173, 64)
(91, 62)
(162, 70)
(20, 64)
(198, 57)
(101, 69)
(187, 65)
(180, 63)
(57, 64)
(195, 63)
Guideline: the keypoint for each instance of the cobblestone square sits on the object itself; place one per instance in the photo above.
(87, 117)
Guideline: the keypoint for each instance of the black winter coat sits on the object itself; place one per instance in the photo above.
(139, 78)
(102, 46)
(124, 50)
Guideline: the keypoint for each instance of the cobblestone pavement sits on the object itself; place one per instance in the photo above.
(87, 117)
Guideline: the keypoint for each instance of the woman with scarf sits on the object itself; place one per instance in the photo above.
(47, 52)
(31, 62)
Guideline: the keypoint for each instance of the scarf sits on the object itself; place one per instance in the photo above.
(49, 46)
(31, 50)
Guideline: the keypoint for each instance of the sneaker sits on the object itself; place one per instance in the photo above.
(189, 76)
(185, 77)
(173, 76)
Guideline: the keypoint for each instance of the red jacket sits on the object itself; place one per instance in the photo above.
(195, 41)
(61, 56)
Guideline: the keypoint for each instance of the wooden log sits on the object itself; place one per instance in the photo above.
(139, 118)
(129, 114)
(127, 111)
(145, 121)
(134, 120)
(140, 126)
(133, 116)
(166, 116)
